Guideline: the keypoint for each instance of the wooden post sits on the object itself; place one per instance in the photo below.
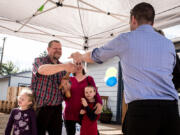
(124, 108)
(14, 105)
(12, 94)
(19, 89)
(6, 106)
(9, 106)
(1, 106)
(105, 101)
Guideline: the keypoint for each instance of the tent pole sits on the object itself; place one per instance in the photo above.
(102, 11)
(48, 34)
(24, 24)
(6, 28)
(30, 18)
(34, 14)
(92, 10)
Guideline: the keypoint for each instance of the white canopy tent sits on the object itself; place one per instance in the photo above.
(79, 24)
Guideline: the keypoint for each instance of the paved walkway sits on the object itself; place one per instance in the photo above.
(109, 129)
(104, 129)
(3, 121)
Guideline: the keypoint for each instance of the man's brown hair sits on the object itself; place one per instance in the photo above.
(50, 43)
(143, 13)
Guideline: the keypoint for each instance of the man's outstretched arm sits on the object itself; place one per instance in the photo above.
(50, 69)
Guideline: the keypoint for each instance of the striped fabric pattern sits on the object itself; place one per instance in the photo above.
(46, 87)
(147, 59)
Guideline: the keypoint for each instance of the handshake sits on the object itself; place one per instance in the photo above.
(77, 58)
(72, 67)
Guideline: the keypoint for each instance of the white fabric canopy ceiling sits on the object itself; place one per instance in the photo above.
(79, 24)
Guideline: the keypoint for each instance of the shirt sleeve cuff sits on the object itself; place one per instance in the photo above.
(95, 57)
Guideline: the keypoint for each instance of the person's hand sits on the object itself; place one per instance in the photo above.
(82, 111)
(70, 67)
(78, 57)
(64, 82)
(65, 85)
(98, 107)
(84, 102)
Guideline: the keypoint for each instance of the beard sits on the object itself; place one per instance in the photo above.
(56, 57)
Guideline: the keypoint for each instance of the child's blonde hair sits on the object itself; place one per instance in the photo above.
(28, 92)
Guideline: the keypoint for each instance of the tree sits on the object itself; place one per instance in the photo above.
(43, 54)
(8, 68)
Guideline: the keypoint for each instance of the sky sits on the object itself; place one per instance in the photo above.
(23, 51)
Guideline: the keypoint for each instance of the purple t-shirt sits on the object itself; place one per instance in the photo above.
(23, 122)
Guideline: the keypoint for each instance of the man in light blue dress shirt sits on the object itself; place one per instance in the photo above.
(147, 60)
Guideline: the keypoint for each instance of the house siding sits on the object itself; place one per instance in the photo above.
(98, 71)
(21, 79)
(3, 88)
(15, 79)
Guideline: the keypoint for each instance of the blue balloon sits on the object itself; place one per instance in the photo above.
(71, 75)
(111, 81)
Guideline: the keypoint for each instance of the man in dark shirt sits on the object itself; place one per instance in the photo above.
(46, 77)
(176, 73)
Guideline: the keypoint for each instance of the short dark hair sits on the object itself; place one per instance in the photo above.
(143, 13)
(90, 86)
(50, 43)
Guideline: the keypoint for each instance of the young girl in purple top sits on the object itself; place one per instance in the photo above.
(22, 119)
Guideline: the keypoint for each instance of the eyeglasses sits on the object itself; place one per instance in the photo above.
(56, 48)
(78, 63)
